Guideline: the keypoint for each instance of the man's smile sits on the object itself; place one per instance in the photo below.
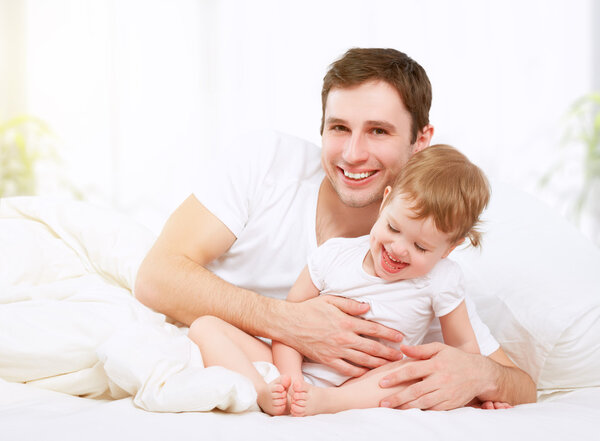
(357, 177)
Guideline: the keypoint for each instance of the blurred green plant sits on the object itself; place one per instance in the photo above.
(26, 144)
(582, 130)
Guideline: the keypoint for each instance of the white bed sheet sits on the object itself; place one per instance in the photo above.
(28, 413)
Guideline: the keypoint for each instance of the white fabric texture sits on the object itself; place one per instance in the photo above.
(536, 283)
(69, 323)
(28, 413)
(264, 189)
(409, 306)
(268, 185)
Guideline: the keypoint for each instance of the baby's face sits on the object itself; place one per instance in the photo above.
(402, 247)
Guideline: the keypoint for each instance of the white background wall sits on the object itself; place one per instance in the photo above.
(141, 92)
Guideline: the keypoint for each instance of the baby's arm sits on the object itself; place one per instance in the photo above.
(457, 329)
(458, 332)
(286, 358)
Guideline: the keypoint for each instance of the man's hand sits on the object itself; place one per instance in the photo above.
(324, 329)
(447, 378)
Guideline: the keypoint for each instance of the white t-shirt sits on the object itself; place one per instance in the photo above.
(409, 306)
(265, 189)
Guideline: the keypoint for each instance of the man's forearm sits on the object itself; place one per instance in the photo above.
(184, 290)
(507, 384)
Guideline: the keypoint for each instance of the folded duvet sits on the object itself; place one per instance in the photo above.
(69, 321)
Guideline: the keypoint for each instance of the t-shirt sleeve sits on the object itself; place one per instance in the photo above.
(320, 263)
(228, 183)
(448, 288)
(486, 341)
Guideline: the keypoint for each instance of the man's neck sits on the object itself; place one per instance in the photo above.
(336, 219)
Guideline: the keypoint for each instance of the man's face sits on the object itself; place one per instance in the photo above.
(366, 141)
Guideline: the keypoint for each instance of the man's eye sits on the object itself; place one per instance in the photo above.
(379, 131)
(339, 128)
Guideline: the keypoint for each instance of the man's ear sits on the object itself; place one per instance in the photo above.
(423, 138)
(457, 243)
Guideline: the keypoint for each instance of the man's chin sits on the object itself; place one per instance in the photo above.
(357, 197)
(354, 200)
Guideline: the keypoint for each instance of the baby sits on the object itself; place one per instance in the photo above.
(400, 269)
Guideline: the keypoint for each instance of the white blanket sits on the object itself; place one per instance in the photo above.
(69, 322)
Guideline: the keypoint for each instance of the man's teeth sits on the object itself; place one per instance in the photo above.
(357, 175)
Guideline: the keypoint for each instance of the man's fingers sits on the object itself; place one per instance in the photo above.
(348, 369)
(372, 353)
(410, 371)
(408, 395)
(377, 330)
(348, 306)
(422, 352)
(431, 401)
(362, 359)
(360, 326)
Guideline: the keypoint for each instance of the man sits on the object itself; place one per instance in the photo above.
(234, 247)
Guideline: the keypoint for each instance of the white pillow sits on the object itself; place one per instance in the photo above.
(536, 284)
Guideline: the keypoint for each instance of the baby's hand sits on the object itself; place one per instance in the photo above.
(495, 405)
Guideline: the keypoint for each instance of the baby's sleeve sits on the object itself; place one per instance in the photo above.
(448, 287)
(320, 263)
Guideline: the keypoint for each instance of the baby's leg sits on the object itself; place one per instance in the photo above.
(358, 393)
(222, 344)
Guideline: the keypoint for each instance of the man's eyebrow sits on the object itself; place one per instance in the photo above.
(373, 123)
(383, 124)
(333, 120)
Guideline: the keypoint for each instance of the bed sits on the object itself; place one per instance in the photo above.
(80, 358)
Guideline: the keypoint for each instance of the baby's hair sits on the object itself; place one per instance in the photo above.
(441, 183)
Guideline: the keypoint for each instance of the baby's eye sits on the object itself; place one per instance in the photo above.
(392, 229)
(420, 248)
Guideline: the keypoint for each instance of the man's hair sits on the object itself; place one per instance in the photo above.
(359, 65)
(440, 183)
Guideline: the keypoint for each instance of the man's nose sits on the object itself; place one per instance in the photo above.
(355, 150)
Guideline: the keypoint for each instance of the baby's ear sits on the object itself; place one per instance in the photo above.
(386, 193)
(451, 248)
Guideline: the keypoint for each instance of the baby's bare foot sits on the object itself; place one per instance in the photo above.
(495, 405)
(305, 399)
(273, 398)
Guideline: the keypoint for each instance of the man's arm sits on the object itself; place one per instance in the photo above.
(451, 378)
(173, 280)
